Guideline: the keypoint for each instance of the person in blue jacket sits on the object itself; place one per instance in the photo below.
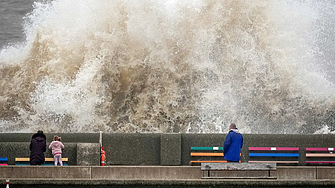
(233, 144)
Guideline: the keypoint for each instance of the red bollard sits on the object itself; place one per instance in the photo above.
(102, 157)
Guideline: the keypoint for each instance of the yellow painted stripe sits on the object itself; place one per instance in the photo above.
(22, 159)
(46, 159)
(207, 154)
(208, 161)
(52, 159)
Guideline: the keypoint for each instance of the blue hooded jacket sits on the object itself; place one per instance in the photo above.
(232, 145)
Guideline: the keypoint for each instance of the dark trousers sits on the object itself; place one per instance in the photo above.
(232, 161)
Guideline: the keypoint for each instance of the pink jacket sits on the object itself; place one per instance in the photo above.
(56, 147)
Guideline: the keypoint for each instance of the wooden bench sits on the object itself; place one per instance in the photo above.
(3, 161)
(48, 161)
(320, 156)
(274, 155)
(238, 170)
(207, 155)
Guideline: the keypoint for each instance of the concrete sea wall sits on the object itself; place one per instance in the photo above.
(150, 172)
(150, 149)
(157, 176)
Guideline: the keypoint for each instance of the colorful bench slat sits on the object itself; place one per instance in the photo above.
(207, 148)
(49, 161)
(46, 159)
(44, 164)
(319, 149)
(320, 154)
(273, 154)
(3, 159)
(207, 154)
(208, 161)
(274, 148)
(314, 162)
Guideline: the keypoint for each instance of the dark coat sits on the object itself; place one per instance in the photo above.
(37, 149)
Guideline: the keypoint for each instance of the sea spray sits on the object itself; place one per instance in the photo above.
(166, 66)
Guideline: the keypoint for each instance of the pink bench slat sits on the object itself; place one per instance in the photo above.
(276, 148)
(320, 161)
(317, 149)
(3, 164)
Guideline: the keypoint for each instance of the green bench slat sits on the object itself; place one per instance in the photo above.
(207, 148)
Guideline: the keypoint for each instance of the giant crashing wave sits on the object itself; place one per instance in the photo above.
(167, 66)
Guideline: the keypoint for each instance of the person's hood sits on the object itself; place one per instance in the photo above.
(39, 135)
(56, 143)
(235, 130)
(39, 139)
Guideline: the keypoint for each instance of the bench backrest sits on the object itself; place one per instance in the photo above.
(317, 156)
(278, 155)
(207, 155)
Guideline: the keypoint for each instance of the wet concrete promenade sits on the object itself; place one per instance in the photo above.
(157, 176)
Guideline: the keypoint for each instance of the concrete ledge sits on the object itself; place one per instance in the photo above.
(167, 183)
(102, 172)
(296, 172)
(146, 172)
(283, 173)
(325, 172)
(68, 172)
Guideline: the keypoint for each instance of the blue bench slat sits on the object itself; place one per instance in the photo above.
(273, 154)
(3, 159)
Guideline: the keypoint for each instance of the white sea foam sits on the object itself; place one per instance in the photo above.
(167, 66)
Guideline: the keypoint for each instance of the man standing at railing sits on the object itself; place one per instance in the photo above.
(233, 144)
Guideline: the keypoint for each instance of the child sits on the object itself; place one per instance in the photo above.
(56, 147)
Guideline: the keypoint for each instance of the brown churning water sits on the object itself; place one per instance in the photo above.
(169, 66)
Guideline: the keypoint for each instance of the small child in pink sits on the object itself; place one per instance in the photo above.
(56, 147)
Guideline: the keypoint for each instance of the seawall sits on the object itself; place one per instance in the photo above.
(152, 172)
(151, 149)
